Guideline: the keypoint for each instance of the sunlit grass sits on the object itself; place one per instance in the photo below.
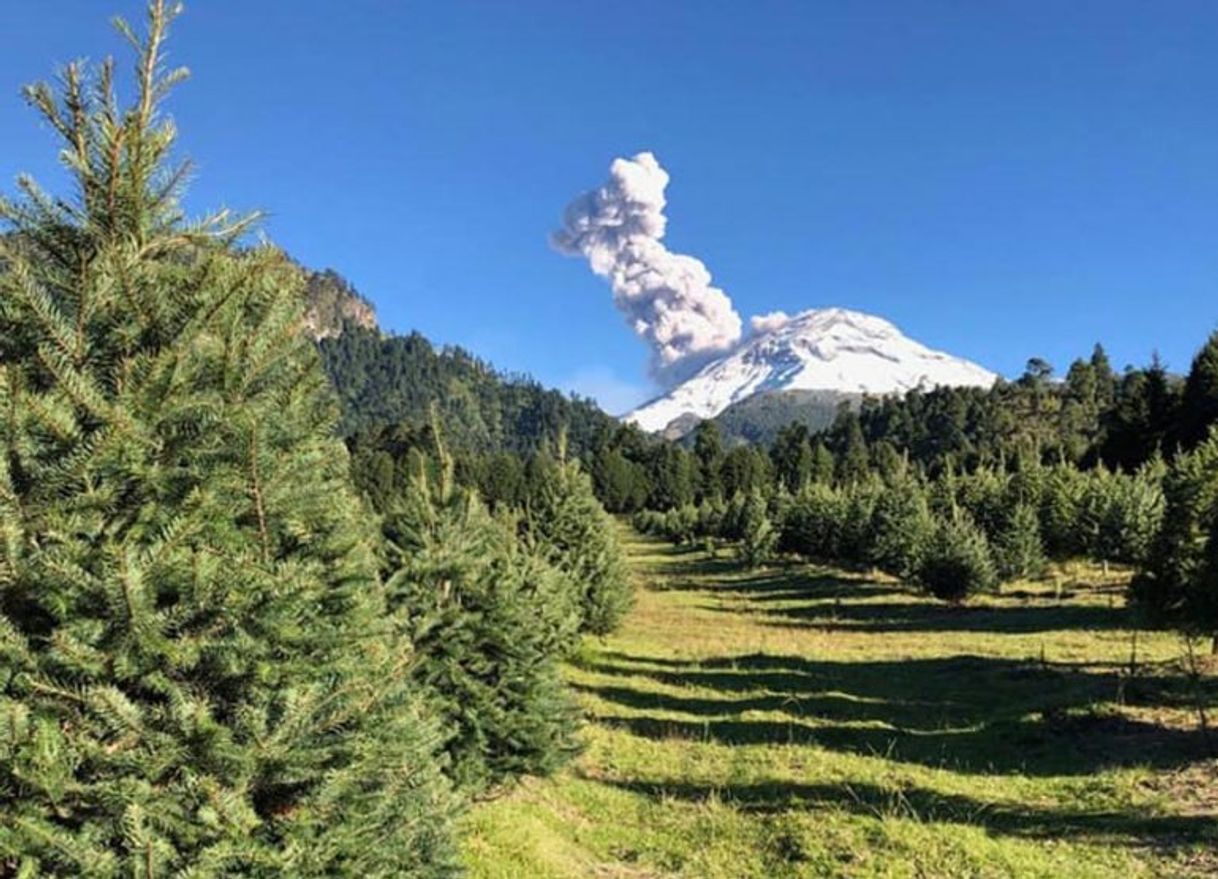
(804, 721)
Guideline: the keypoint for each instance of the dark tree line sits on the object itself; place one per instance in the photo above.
(387, 379)
(1093, 416)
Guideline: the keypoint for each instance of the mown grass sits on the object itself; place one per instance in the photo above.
(804, 721)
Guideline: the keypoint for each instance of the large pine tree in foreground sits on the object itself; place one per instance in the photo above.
(198, 674)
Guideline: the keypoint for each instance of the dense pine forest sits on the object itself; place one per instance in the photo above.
(390, 379)
(282, 594)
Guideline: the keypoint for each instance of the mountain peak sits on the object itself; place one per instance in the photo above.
(822, 349)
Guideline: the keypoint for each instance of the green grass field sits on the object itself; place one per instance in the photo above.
(804, 721)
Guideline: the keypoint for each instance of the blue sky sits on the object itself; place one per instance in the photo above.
(1000, 179)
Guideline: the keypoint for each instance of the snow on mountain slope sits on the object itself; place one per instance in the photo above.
(830, 349)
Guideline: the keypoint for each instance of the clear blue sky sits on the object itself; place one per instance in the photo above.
(1000, 179)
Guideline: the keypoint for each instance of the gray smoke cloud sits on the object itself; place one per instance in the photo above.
(767, 323)
(667, 297)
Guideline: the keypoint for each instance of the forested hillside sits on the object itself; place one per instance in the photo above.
(389, 379)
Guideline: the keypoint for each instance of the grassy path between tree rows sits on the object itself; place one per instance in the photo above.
(804, 721)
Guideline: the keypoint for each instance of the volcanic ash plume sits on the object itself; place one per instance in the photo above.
(667, 297)
(765, 323)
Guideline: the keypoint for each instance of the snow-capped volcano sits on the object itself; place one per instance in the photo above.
(827, 349)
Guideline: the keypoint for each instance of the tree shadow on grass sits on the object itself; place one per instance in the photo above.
(690, 571)
(977, 714)
(882, 617)
(842, 600)
(1071, 745)
(926, 805)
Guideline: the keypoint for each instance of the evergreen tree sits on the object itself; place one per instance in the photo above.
(1175, 585)
(791, 456)
(621, 484)
(671, 477)
(1078, 418)
(758, 535)
(887, 461)
(853, 465)
(745, 469)
(1137, 514)
(680, 525)
(571, 529)
(823, 466)
(711, 515)
(814, 523)
(199, 678)
(502, 480)
(1019, 550)
(901, 525)
(855, 534)
(489, 624)
(1105, 377)
(983, 494)
(1199, 403)
(708, 449)
(733, 516)
(956, 562)
(1061, 500)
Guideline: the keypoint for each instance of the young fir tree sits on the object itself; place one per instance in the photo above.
(856, 534)
(197, 676)
(489, 624)
(900, 526)
(570, 529)
(814, 523)
(1137, 515)
(983, 494)
(681, 524)
(1018, 549)
(1176, 585)
(758, 535)
(1061, 500)
(956, 562)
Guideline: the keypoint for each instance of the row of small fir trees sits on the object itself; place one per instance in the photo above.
(216, 658)
(963, 533)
